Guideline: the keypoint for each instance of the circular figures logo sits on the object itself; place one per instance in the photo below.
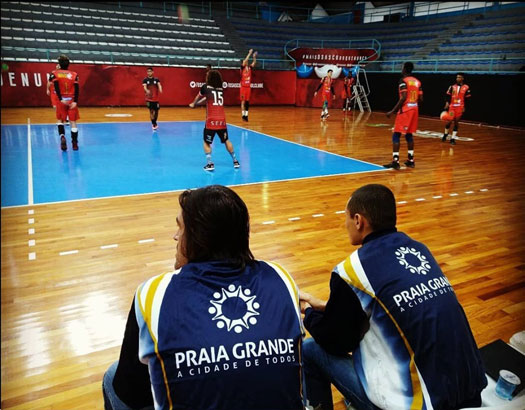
(416, 262)
(234, 308)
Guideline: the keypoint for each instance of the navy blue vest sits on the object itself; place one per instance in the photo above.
(220, 338)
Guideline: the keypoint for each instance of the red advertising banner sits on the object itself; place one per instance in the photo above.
(24, 85)
(340, 57)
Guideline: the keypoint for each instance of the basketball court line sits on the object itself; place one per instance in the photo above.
(29, 166)
(183, 189)
(316, 149)
(288, 220)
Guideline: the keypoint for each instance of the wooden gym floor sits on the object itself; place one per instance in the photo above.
(63, 316)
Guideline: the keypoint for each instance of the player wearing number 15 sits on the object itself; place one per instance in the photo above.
(215, 117)
(410, 93)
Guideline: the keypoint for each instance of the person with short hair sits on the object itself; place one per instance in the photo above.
(246, 82)
(222, 331)
(328, 87)
(215, 117)
(410, 93)
(152, 88)
(348, 83)
(392, 334)
(455, 103)
(65, 83)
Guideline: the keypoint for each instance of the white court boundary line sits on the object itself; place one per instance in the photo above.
(184, 189)
(29, 166)
(268, 222)
(315, 149)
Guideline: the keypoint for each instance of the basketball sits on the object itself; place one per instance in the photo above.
(447, 116)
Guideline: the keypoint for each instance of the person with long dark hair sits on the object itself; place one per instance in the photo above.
(221, 331)
(215, 117)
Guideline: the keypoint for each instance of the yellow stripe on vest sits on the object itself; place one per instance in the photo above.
(146, 314)
(417, 400)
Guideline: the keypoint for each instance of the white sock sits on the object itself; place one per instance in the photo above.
(395, 155)
(454, 133)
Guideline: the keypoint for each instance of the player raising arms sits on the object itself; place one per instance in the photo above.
(152, 87)
(455, 103)
(410, 93)
(327, 84)
(246, 81)
(215, 117)
(66, 87)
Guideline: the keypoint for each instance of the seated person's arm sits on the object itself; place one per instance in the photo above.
(132, 383)
(342, 324)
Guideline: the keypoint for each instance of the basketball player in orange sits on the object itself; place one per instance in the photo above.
(455, 103)
(51, 91)
(327, 84)
(347, 92)
(246, 81)
(66, 87)
(410, 93)
(152, 87)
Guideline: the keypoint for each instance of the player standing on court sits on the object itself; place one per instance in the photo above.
(152, 87)
(66, 87)
(455, 103)
(215, 117)
(410, 92)
(246, 81)
(327, 84)
(347, 92)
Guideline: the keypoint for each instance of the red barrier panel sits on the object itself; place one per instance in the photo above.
(24, 85)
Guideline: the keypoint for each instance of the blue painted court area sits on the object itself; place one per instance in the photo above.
(128, 158)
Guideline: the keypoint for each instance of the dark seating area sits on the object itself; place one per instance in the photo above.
(122, 33)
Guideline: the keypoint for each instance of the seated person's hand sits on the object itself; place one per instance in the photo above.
(306, 300)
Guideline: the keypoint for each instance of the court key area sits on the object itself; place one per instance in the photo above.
(117, 159)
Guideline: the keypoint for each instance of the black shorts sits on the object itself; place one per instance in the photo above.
(210, 134)
(153, 105)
